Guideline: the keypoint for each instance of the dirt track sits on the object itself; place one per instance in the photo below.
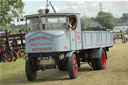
(116, 72)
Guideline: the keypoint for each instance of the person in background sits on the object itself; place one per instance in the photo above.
(126, 38)
(114, 37)
(122, 38)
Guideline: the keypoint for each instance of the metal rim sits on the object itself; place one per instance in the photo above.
(34, 74)
(20, 53)
(75, 66)
(103, 58)
(9, 56)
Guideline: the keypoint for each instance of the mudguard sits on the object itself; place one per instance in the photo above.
(69, 54)
(96, 53)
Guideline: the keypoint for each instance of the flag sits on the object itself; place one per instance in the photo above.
(48, 3)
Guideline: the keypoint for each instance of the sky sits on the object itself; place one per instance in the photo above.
(90, 8)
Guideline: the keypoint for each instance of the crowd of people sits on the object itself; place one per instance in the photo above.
(123, 37)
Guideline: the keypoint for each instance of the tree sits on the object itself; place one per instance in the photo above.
(125, 16)
(10, 9)
(106, 19)
(84, 22)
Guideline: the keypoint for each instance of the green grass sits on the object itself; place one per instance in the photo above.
(12, 71)
(14, 74)
(116, 72)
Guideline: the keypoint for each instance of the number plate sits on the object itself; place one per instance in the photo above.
(43, 58)
(46, 60)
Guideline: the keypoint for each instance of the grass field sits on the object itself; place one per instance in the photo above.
(116, 72)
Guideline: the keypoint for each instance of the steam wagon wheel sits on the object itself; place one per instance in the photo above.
(100, 63)
(14, 55)
(20, 53)
(30, 72)
(9, 56)
(72, 67)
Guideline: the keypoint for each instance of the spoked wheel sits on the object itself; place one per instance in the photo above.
(72, 67)
(21, 53)
(30, 72)
(99, 63)
(9, 56)
(1, 57)
(14, 55)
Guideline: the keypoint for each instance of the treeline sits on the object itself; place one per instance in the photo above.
(103, 20)
(11, 10)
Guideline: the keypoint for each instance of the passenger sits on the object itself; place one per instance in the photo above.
(42, 20)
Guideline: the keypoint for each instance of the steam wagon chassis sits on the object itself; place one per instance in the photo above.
(52, 43)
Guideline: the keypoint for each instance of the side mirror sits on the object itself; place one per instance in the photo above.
(69, 26)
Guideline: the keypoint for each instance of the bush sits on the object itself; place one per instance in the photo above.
(94, 29)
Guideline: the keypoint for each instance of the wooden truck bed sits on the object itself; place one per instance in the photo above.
(96, 39)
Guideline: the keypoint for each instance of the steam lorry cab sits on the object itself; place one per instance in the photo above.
(55, 40)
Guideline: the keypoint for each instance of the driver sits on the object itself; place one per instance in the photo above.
(72, 22)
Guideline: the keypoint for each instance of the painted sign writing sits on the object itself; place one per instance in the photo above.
(73, 40)
(36, 44)
(41, 37)
(65, 47)
(78, 33)
(42, 49)
(78, 37)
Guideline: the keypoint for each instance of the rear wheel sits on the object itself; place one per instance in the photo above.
(9, 56)
(72, 67)
(99, 63)
(30, 72)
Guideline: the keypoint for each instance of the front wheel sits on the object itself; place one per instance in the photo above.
(30, 73)
(72, 67)
(99, 63)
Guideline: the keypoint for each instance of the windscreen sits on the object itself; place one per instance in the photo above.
(47, 23)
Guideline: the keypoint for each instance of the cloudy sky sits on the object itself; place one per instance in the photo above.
(85, 7)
